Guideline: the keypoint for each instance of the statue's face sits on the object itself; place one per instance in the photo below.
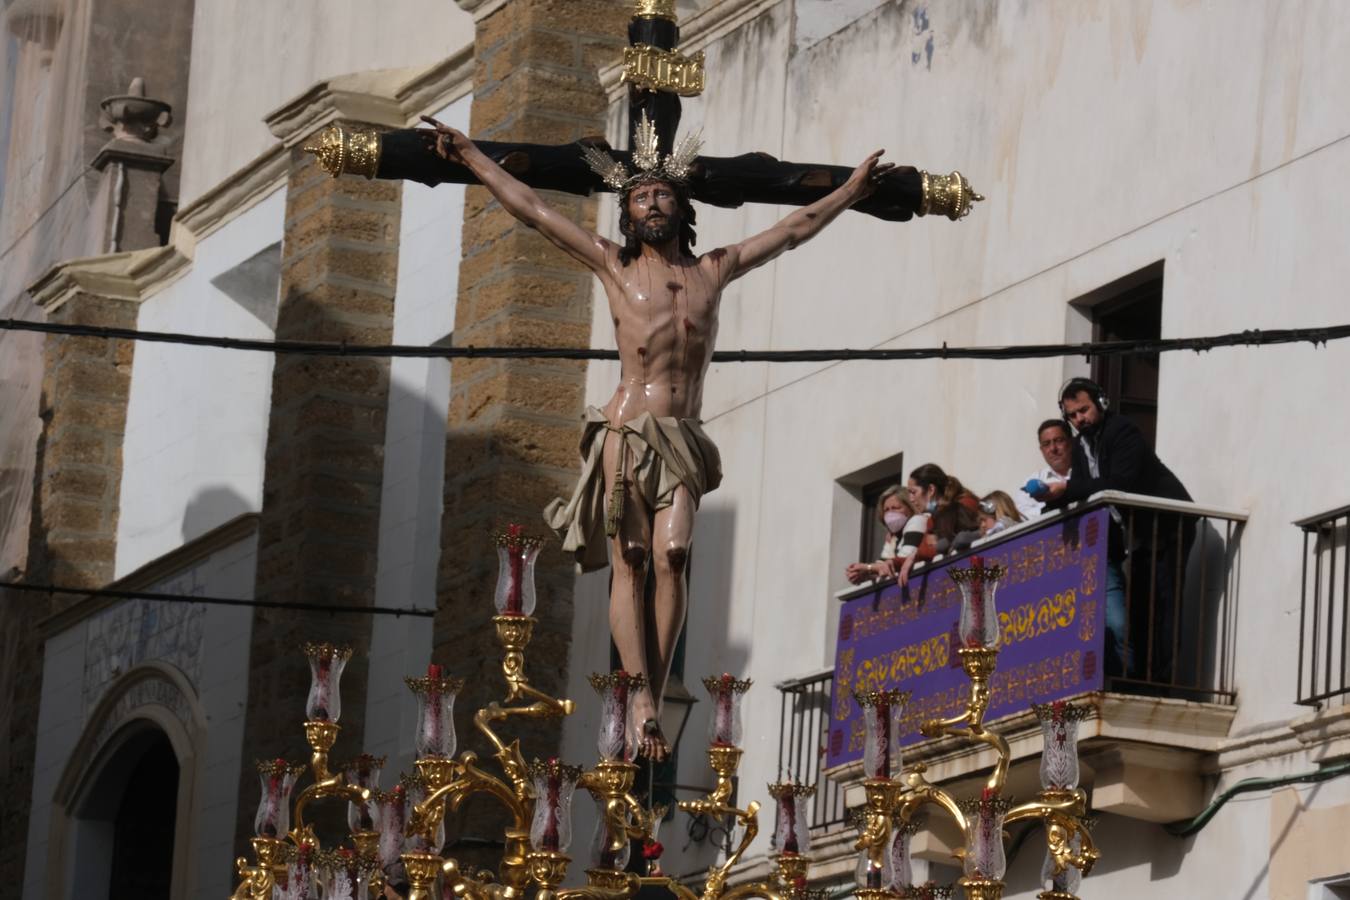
(655, 212)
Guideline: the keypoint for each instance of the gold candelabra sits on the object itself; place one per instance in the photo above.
(407, 825)
(891, 801)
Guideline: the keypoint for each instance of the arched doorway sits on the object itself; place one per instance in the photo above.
(124, 825)
(143, 827)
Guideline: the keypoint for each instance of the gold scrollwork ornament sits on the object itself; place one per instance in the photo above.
(342, 152)
(947, 195)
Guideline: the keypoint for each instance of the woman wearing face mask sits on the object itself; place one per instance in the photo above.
(893, 510)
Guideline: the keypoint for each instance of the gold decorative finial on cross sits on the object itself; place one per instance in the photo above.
(656, 9)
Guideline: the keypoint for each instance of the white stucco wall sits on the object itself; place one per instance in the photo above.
(209, 645)
(251, 56)
(414, 457)
(197, 417)
(1108, 136)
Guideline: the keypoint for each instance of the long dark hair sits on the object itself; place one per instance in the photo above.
(930, 475)
(632, 247)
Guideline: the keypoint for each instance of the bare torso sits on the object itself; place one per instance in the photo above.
(665, 323)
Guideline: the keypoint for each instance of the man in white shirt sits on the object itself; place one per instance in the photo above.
(1057, 451)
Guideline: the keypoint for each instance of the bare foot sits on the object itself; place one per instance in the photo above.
(647, 736)
(651, 742)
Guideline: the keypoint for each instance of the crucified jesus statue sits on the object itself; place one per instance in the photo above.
(646, 459)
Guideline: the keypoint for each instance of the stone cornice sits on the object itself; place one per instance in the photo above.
(368, 97)
(391, 97)
(437, 86)
(236, 194)
(129, 276)
(153, 572)
(480, 9)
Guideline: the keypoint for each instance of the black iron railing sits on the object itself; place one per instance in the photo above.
(1179, 564)
(803, 726)
(1324, 611)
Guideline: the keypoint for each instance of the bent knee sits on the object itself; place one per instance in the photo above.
(635, 556)
(674, 559)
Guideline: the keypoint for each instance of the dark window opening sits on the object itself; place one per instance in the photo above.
(143, 830)
(873, 531)
(1131, 381)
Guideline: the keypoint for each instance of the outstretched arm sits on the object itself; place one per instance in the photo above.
(519, 199)
(807, 222)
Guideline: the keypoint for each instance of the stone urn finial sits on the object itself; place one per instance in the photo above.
(133, 116)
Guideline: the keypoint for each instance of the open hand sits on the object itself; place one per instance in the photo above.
(448, 143)
(867, 177)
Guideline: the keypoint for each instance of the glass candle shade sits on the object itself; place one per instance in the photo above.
(326, 662)
(882, 711)
(902, 863)
(984, 842)
(724, 727)
(391, 814)
(1059, 726)
(874, 874)
(277, 778)
(363, 772)
(615, 690)
(344, 876)
(435, 712)
(554, 784)
(516, 555)
(978, 583)
(301, 877)
(416, 791)
(791, 825)
(601, 856)
(1068, 881)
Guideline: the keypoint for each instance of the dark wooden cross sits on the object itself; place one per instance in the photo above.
(656, 74)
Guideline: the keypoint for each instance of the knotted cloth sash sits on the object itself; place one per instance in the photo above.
(664, 452)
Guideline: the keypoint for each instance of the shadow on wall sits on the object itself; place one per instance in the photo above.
(710, 597)
(212, 507)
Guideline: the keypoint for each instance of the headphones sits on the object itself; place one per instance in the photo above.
(1078, 385)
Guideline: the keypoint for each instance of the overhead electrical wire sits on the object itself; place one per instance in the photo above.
(119, 594)
(1246, 338)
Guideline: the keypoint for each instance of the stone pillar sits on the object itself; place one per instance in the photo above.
(514, 425)
(133, 163)
(319, 524)
(85, 386)
(72, 537)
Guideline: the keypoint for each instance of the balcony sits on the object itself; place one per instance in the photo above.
(1155, 723)
(1324, 635)
(1324, 610)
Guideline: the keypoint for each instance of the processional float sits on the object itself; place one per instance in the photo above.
(407, 824)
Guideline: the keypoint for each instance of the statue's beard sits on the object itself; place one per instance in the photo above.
(658, 232)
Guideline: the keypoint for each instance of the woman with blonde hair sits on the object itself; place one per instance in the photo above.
(893, 510)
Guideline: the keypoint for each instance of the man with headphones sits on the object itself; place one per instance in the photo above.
(1112, 454)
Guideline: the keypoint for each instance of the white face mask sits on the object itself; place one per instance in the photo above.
(895, 520)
